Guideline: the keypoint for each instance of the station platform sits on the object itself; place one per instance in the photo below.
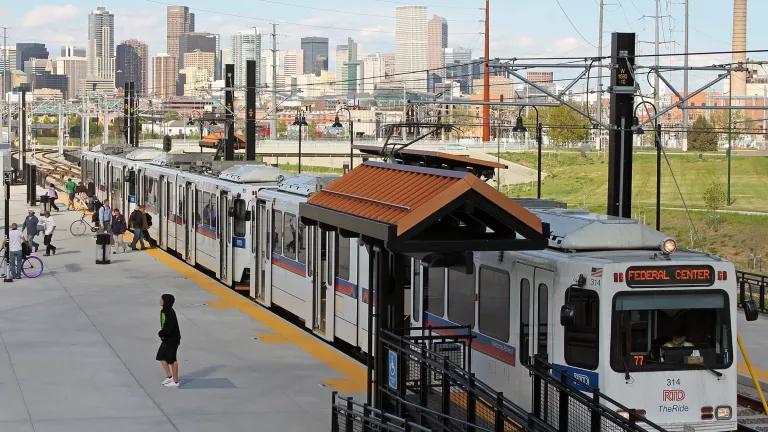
(755, 337)
(79, 344)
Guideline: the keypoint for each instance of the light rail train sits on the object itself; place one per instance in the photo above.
(651, 326)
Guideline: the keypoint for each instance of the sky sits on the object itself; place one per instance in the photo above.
(519, 28)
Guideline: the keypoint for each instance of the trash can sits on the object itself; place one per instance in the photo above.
(44, 201)
(102, 248)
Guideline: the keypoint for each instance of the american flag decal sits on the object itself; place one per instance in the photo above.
(597, 272)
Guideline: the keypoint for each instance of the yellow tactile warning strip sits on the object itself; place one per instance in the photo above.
(352, 373)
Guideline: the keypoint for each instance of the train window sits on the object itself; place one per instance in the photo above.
(461, 297)
(581, 338)
(200, 199)
(434, 291)
(277, 232)
(671, 330)
(416, 313)
(543, 317)
(150, 196)
(494, 303)
(289, 232)
(525, 320)
(239, 226)
(342, 257)
(302, 253)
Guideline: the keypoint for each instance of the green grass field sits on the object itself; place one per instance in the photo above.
(583, 181)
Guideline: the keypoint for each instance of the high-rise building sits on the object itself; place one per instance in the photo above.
(376, 68)
(98, 85)
(411, 46)
(437, 42)
(7, 65)
(131, 65)
(75, 69)
(101, 44)
(196, 81)
(225, 54)
(348, 67)
(164, 72)
(44, 79)
(293, 62)
(203, 61)
(458, 67)
(197, 41)
(26, 51)
(178, 21)
(142, 50)
(315, 54)
(72, 51)
(246, 45)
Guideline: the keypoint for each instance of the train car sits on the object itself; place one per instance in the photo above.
(651, 326)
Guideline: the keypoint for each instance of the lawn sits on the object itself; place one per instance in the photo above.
(583, 181)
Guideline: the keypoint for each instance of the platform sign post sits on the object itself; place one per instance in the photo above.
(392, 370)
(622, 91)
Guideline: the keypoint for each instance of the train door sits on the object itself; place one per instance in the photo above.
(162, 211)
(225, 238)
(542, 334)
(178, 216)
(190, 205)
(322, 284)
(255, 262)
(263, 256)
(168, 215)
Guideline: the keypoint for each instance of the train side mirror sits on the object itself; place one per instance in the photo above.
(751, 311)
(567, 315)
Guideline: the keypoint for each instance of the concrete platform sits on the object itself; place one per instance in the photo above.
(755, 337)
(78, 344)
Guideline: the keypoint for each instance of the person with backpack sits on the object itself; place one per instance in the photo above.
(138, 221)
(95, 207)
(53, 195)
(70, 186)
(118, 227)
(30, 226)
(170, 339)
(105, 216)
(152, 242)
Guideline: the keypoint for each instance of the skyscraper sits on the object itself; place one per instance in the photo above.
(315, 54)
(376, 67)
(178, 21)
(437, 42)
(164, 72)
(293, 63)
(131, 65)
(197, 41)
(101, 44)
(26, 51)
(411, 46)
(204, 61)
(75, 69)
(72, 51)
(458, 67)
(347, 68)
(246, 45)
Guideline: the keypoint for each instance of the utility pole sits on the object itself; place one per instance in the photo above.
(684, 141)
(105, 118)
(599, 137)
(273, 122)
(60, 139)
(6, 82)
(487, 76)
(656, 60)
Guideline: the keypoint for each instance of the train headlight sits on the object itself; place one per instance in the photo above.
(723, 413)
(624, 414)
(668, 246)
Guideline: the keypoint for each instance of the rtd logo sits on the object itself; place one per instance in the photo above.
(673, 395)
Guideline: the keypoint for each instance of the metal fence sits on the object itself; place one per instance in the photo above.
(350, 416)
(752, 286)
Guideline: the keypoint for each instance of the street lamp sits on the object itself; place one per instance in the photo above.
(300, 121)
(337, 124)
(520, 127)
(637, 126)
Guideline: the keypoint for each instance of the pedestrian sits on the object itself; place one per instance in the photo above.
(70, 185)
(15, 242)
(118, 230)
(82, 193)
(53, 196)
(138, 221)
(147, 236)
(170, 338)
(105, 216)
(95, 206)
(30, 226)
(50, 227)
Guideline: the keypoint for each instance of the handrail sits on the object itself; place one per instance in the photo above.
(362, 413)
(754, 280)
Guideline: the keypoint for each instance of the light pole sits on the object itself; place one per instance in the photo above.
(657, 143)
(337, 124)
(520, 127)
(300, 121)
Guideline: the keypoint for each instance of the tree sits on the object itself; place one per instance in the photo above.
(171, 115)
(562, 124)
(739, 125)
(701, 137)
(714, 200)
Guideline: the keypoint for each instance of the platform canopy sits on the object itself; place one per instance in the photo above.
(415, 209)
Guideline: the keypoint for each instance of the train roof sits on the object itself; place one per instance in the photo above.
(583, 230)
(305, 185)
(252, 173)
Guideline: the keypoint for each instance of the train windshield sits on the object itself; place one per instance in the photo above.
(671, 331)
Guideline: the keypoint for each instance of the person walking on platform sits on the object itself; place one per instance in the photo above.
(81, 193)
(105, 216)
(138, 221)
(50, 227)
(70, 185)
(152, 242)
(119, 228)
(53, 196)
(170, 338)
(14, 243)
(30, 226)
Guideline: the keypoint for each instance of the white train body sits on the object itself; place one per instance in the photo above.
(630, 302)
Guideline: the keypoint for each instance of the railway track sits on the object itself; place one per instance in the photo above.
(750, 411)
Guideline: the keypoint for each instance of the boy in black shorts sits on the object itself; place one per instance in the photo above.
(171, 338)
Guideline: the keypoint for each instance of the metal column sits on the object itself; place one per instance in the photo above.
(250, 110)
(229, 106)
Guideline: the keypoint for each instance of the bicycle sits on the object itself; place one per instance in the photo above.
(81, 226)
(31, 266)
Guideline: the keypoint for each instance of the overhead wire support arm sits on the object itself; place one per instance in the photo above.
(688, 97)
